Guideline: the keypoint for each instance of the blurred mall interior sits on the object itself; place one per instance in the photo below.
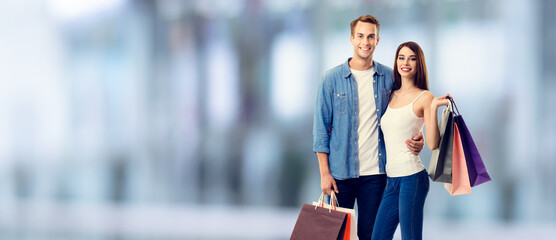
(192, 119)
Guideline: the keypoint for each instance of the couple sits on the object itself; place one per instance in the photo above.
(368, 134)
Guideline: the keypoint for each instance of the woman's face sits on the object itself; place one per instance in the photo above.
(407, 63)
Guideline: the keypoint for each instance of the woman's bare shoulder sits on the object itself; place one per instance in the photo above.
(425, 99)
(428, 95)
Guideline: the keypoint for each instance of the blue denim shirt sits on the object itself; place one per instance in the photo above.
(336, 118)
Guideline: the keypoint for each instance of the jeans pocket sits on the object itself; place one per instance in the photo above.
(340, 102)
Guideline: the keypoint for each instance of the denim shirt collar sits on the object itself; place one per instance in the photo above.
(346, 72)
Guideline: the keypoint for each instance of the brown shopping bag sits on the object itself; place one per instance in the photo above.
(321, 223)
(460, 178)
(350, 232)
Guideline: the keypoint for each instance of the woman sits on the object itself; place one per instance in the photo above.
(411, 106)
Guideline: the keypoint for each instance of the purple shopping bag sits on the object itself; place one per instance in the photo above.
(475, 166)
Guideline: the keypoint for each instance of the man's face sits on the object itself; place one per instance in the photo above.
(364, 40)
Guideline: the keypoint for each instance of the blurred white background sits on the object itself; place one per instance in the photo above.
(185, 119)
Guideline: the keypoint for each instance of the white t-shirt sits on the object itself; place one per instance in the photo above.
(367, 128)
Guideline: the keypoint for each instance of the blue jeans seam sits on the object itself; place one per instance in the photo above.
(413, 207)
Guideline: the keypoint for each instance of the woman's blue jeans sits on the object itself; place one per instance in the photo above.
(403, 202)
(368, 191)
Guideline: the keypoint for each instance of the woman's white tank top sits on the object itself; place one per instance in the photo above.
(398, 125)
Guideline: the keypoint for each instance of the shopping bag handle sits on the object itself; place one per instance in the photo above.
(453, 107)
(333, 202)
(320, 203)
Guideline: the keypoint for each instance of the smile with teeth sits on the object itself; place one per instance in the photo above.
(365, 49)
(406, 69)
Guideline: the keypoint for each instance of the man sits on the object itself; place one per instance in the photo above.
(347, 137)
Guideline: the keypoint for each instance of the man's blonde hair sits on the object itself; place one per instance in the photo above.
(366, 18)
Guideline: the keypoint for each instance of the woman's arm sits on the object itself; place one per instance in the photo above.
(430, 110)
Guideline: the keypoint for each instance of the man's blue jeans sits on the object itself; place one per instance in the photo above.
(368, 191)
(403, 203)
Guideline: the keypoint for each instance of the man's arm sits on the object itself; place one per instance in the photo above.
(415, 144)
(327, 182)
(322, 127)
(322, 122)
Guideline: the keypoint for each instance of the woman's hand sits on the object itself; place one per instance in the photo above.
(440, 101)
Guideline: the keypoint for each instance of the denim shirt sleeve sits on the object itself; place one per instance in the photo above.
(322, 121)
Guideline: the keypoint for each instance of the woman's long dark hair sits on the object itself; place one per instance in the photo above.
(421, 79)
